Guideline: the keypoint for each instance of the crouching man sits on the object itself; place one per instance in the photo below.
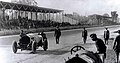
(101, 47)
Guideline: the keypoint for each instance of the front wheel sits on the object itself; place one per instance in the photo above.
(14, 46)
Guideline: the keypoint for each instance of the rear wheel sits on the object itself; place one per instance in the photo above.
(14, 46)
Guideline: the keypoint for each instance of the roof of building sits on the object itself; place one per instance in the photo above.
(30, 8)
(96, 15)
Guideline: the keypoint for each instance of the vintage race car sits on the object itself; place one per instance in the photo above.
(80, 55)
(30, 42)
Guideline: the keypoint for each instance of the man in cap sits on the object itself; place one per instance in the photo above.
(84, 35)
(57, 34)
(106, 35)
(116, 45)
(101, 47)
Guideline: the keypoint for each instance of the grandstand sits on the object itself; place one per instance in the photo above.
(16, 18)
(28, 16)
(31, 16)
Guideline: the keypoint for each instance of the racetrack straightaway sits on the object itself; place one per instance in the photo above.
(56, 52)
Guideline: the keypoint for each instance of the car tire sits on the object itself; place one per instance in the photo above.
(14, 46)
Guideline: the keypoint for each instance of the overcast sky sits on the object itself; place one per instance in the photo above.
(82, 7)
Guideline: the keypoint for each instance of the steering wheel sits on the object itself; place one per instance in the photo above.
(76, 48)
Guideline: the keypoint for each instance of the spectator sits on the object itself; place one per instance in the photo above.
(101, 47)
(116, 45)
(106, 35)
(84, 35)
(57, 34)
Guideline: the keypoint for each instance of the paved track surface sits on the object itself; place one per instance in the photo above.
(56, 52)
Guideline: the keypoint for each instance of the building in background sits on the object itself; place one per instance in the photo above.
(104, 19)
(24, 14)
(114, 16)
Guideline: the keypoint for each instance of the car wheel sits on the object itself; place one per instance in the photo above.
(14, 46)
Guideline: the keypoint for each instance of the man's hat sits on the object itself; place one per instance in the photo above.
(93, 35)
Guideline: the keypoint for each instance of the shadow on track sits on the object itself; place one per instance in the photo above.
(48, 52)
(51, 52)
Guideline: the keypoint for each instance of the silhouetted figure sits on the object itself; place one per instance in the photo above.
(106, 35)
(116, 46)
(84, 35)
(57, 34)
(101, 47)
(24, 39)
(44, 40)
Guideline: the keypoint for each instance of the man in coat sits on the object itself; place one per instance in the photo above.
(101, 47)
(57, 34)
(116, 46)
(106, 35)
(84, 35)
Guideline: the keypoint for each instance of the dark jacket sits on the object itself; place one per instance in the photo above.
(84, 33)
(101, 47)
(117, 43)
(106, 34)
(57, 32)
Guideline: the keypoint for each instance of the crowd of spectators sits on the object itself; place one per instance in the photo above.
(24, 23)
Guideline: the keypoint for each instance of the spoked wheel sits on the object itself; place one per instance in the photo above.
(34, 45)
(76, 48)
(14, 46)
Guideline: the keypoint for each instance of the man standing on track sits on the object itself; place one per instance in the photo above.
(106, 35)
(57, 34)
(84, 35)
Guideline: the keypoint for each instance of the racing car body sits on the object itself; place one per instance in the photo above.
(80, 55)
(30, 42)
